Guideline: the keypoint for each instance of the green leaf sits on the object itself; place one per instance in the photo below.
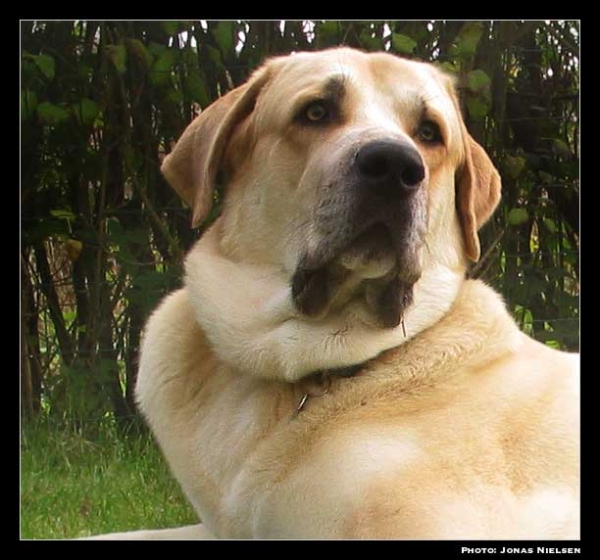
(552, 343)
(478, 108)
(138, 49)
(118, 56)
(156, 49)
(170, 27)
(329, 28)
(224, 35)
(214, 55)
(197, 89)
(561, 149)
(174, 96)
(189, 57)
(370, 41)
(327, 33)
(550, 225)
(45, 63)
(51, 114)
(86, 111)
(161, 70)
(29, 103)
(403, 43)
(517, 216)
(468, 38)
(84, 71)
(478, 81)
(513, 166)
(63, 214)
(449, 67)
(66, 215)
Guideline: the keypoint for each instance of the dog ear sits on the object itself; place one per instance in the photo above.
(192, 167)
(478, 188)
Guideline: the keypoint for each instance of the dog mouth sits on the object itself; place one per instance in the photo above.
(370, 254)
(379, 266)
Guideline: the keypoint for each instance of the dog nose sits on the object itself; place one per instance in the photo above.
(390, 166)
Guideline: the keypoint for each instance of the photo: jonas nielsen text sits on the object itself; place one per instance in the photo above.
(522, 550)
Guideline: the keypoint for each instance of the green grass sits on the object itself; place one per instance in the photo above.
(73, 486)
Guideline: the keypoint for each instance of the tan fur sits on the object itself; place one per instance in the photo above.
(192, 167)
(467, 431)
(478, 194)
(458, 426)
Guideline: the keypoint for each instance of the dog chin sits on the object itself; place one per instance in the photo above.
(372, 270)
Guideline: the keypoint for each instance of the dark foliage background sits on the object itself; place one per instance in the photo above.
(103, 236)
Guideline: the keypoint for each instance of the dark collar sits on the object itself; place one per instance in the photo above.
(347, 371)
(317, 384)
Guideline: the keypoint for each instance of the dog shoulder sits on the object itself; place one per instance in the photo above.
(170, 326)
(561, 369)
(542, 428)
(171, 342)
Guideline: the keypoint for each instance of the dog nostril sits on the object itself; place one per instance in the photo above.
(413, 175)
(390, 165)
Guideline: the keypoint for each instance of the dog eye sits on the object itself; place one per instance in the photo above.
(316, 112)
(429, 133)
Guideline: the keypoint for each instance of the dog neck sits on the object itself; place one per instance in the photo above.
(248, 315)
(487, 332)
(317, 384)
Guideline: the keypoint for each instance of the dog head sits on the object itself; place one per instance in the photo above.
(351, 172)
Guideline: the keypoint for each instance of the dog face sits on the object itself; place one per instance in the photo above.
(350, 172)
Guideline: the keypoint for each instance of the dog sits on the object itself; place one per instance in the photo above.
(327, 371)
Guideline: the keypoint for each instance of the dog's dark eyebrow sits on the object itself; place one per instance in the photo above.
(335, 87)
(332, 89)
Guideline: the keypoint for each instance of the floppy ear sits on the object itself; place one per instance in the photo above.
(192, 167)
(477, 194)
